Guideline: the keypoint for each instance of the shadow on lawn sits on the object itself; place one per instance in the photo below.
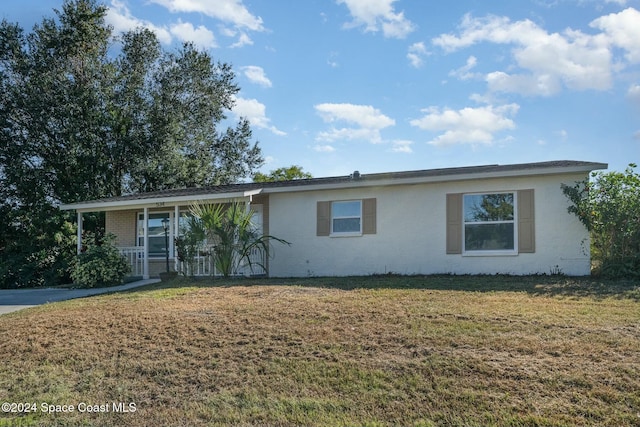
(551, 285)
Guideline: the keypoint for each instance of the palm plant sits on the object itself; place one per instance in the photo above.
(228, 227)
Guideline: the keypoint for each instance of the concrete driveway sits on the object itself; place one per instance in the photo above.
(17, 299)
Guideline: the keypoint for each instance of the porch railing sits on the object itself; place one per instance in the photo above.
(135, 257)
(257, 265)
(203, 264)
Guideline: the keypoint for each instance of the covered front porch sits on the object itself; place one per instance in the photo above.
(203, 264)
(146, 231)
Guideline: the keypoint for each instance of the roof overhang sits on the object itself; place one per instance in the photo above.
(381, 180)
(158, 202)
(154, 200)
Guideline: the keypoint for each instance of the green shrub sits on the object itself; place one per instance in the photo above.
(100, 264)
(187, 247)
(609, 206)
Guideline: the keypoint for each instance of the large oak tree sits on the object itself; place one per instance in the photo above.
(86, 115)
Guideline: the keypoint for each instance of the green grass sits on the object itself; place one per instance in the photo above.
(375, 351)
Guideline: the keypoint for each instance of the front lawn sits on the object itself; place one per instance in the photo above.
(416, 351)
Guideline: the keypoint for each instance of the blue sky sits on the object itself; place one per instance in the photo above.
(386, 85)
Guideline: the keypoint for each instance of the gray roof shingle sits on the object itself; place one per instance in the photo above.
(525, 168)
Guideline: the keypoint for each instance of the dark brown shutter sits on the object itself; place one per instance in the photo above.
(526, 222)
(369, 216)
(454, 223)
(323, 221)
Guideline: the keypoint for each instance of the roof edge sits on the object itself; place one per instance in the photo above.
(235, 191)
(107, 205)
(434, 175)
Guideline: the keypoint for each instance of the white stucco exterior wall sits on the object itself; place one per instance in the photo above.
(411, 232)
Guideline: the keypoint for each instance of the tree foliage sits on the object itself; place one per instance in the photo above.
(35, 246)
(609, 206)
(282, 174)
(84, 115)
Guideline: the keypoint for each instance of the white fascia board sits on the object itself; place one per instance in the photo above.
(251, 193)
(157, 202)
(364, 182)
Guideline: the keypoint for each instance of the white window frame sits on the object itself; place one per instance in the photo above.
(257, 218)
(359, 216)
(514, 221)
(172, 235)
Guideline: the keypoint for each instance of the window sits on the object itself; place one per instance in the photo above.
(489, 222)
(498, 213)
(257, 221)
(346, 217)
(157, 244)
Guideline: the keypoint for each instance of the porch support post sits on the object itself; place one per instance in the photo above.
(176, 234)
(145, 265)
(79, 239)
(248, 212)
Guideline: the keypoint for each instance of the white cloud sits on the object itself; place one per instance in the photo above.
(402, 146)
(622, 30)
(492, 28)
(243, 39)
(464, 72)
(229, 11)
(201, 36)
(376, 15)
(255, 112)
(368, 120)
(486, 98)
(546, 61)
(468, 125)
(269, 160)
(363, 115)
(524, 84)
(349, 134)
(119, 16)
(256, 75)
(634, 92)
(228, 32)
(417, 53)
(324, 148)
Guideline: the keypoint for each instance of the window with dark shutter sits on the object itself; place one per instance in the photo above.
(323, 221)
(454, 223)
(485, 223)
(369, 219)
(526, 223)
(346, 217)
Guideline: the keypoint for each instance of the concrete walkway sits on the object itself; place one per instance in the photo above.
(17, 299)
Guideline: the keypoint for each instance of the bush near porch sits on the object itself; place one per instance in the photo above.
(100, 263)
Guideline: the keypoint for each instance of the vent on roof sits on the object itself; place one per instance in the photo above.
(355, 175)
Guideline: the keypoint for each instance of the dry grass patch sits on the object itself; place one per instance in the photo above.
(400, 353)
